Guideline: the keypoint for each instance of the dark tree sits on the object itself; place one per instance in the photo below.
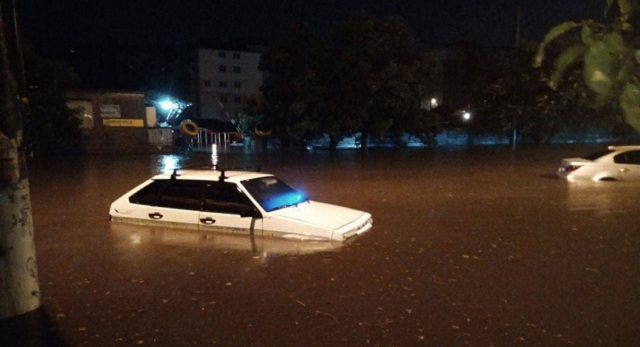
(378, 79)
(367, 77)
(292, 90)
(49, 125)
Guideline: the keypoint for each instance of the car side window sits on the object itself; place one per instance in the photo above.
(620, 158)
(185, 195)
(633, 157)
(148, 195)
(223, 197)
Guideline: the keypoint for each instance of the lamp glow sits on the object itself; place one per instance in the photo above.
(168, 105)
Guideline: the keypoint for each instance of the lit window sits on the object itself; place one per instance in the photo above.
(222, 68)
(236, 69)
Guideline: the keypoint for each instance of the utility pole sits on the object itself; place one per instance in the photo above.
(514, 136)
(19, 289)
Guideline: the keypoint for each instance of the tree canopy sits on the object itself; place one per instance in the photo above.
(49, 125)
(609, 55)
(367, 77)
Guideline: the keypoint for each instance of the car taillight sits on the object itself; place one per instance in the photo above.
(572, 168)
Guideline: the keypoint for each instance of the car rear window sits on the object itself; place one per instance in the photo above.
(596, 155)
(148, 195)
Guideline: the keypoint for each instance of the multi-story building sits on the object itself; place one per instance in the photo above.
(226, 79)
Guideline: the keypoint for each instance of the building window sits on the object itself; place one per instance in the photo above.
(237, 100)
(222, 68)
(207, 83)
(237, 84)
(236, 55)
(223, 84)
(236, 69)
(223, 98)
(222, 54)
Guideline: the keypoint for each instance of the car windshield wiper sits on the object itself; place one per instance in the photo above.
(289, 205)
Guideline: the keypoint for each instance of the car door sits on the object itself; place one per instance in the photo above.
(227, 209)
(178, 204)
(628, 164)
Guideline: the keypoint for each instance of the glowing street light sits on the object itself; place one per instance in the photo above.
(168, 105)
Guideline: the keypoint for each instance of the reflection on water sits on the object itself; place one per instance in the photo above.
(130, 237)
(214, 154)
(167, 163)
(603, 197)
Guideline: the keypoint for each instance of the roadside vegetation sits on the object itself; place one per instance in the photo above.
(50, 126)
(367, 77)
(607, 55)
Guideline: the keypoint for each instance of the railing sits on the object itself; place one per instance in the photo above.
(206, 137)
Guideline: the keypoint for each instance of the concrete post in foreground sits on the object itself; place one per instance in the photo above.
(19, 289)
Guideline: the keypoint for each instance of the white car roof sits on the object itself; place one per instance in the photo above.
(213, 175)
(623, 148)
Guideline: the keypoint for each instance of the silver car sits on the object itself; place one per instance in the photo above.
(616, 163)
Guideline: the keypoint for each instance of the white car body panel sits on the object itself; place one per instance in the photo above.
(229, 223)
(314, 220)
(629, 172)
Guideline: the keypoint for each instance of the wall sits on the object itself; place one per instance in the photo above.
(116, 122)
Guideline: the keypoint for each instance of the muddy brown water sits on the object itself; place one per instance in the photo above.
(472, 247)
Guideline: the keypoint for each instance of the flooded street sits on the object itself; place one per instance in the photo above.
(469, 247)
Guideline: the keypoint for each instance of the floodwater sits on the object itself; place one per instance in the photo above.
(474, 247)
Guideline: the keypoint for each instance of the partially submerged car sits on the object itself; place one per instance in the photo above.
(233, 201)
(616, 163)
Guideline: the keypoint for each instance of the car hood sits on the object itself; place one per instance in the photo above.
(319, 214)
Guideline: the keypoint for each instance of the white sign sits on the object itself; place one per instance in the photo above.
(110, 111)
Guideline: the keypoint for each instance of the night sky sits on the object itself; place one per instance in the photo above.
(182, 23)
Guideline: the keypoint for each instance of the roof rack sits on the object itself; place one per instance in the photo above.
(214, 167)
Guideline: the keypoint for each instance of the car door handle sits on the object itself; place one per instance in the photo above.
(624, 169)
(207, 220)
(155, 215)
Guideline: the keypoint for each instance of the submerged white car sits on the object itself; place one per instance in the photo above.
(246, 202)
(616, 163)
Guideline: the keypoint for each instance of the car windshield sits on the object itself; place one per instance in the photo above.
(596, 155)
(273, 194)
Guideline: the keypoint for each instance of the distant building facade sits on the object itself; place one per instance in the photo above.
(225, 80)
(118, 122)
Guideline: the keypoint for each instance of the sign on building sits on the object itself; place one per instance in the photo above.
(110, 111)
(134, 123)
